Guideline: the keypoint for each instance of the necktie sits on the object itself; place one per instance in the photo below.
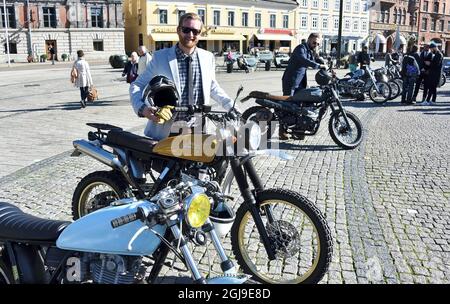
(190, 81)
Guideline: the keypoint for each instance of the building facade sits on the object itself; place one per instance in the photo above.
(434, 23)
(389, 17)
(95, 26)
(323, 16)
(228, 24)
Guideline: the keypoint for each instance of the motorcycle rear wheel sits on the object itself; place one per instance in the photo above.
(339, 132)
(395, 89)
(6, 277)
(382, 97)
(299, 232)
(97, 190)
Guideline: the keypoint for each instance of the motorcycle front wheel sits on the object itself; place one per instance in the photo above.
(97, 190)
(297, 231)
(395, 89)
(347, 137)
(383, 96)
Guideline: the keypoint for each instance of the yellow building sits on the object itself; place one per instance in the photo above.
(228, 24)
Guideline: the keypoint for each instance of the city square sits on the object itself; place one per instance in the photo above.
(386, 202)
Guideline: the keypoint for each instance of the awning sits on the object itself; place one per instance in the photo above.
(402, 40)
(164, 37)
(274, 37)
(380, 38)
(223, 37)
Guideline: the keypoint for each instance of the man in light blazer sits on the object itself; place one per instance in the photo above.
(174, 63)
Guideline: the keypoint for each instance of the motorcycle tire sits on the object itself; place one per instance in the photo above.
(336, 126)
(285, 236)
(443, 80)
(373, 94)
(400, 85)
(6, 277)
(395, 89)
(249, 114)
(118, 188)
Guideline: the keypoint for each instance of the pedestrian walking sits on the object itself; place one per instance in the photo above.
(144, 59)
(131, 68)
(434, 75)
(410, 71)
(84, 78)
(51, 50)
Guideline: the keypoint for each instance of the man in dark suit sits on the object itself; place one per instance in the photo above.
(302, 58)
(425, 55)
(434, 75)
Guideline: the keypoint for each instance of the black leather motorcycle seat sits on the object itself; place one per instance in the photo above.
(18, 225)
(130, 140)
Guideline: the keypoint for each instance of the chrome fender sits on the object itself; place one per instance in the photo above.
(228, 279)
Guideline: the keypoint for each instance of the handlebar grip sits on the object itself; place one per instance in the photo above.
(181, 109)
(123, 220)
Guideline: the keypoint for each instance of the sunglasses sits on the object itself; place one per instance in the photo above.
(187, 30)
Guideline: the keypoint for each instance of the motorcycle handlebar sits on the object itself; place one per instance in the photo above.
(193, 109)
(123, 220)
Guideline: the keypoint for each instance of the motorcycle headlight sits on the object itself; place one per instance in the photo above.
(250, 136)
(197, 207)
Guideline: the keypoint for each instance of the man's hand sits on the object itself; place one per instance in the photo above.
(164, 114)
(323, 66)
(150, 114)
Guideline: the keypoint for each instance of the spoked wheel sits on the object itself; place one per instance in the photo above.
(400, 85)
(395, 89)
(6, 277)
(298, 233)
(347, 137)
(384, 92)
(97, 190)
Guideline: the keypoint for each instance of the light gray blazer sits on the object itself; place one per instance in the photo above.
(164, 62)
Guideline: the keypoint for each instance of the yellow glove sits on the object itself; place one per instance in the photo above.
(164, 114)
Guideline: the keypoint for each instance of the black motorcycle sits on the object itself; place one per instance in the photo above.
(301, 114)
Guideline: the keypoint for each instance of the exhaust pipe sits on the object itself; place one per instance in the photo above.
(97, 153)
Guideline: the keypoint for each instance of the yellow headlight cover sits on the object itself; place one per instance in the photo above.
(198, 210)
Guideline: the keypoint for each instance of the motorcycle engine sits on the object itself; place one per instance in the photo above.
(115, 269)
(298, 123)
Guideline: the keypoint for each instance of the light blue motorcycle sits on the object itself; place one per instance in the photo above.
(113, 245)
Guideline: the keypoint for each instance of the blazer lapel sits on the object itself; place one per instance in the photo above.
(172, 58)
(205, 70)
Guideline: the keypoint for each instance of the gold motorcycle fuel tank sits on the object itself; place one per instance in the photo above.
(194, 147)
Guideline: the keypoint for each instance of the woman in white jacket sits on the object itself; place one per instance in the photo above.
(84, 78)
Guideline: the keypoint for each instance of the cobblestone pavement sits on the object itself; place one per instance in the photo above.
(387, 202)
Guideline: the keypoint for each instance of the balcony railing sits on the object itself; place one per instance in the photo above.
(390, 2)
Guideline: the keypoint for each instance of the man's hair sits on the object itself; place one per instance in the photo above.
(414, 48)
(187, 16)
(313, 35)
(80, 53)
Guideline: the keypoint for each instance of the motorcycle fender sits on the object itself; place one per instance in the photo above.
(234, 279)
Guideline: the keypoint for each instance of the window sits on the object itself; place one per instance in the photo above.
(181, 13)
(347, 24)
(141, 39)
(96, 17)
(364, 25)
(304, 3)
(10, 16)
(216, 20)
(139, 16)
(98, 45)
(433, 25)
(365, 6)
(162, 16)
(356, 6)
(424, 24)
(12, 47)
(325, 23)
(315, 4)
(355, 25)
(244, 19)
(425, 6)
(257, 20)
(49, 15)
(273, 21)
(448, 25)
(201, 13)
(436, 7)
(441, 25)
(348, 5)
(304, 21)
(325, 4)
(336, 5)
(314, 22)
(230, 18)
(285, 21)
(443, 8)
(336, 23)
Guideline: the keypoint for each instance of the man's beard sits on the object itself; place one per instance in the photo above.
(188, 43)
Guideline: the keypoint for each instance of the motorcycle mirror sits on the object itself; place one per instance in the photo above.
(240, 89)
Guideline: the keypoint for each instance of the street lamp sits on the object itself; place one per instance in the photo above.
(30, 41)
(6, 32)
(338, 55)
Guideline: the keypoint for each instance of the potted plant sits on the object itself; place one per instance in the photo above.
(64, 57)
(43, 57)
